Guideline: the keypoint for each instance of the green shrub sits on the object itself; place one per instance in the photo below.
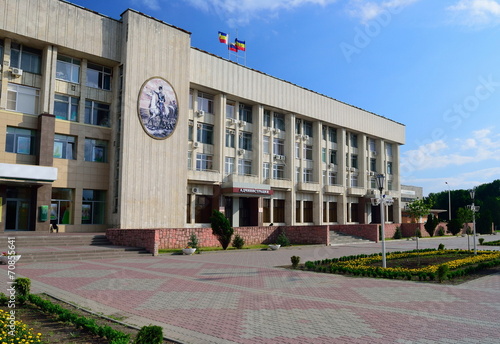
(283, 240)
(440, 231)
(23, 288)
(430, 225)
(442, 272)
(221, 228)
(193, 241)
(309, 265)
(398, 234)
(295, 261)
(441, 247)
(238, 242)
(481, 240)
(3, 299)
(149, 335)
(418, 234)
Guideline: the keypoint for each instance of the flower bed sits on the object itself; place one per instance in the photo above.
(14, 331)
(412, 265)
(492, 243)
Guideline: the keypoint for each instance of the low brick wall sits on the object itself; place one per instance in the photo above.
(154, 239)
(366, 231)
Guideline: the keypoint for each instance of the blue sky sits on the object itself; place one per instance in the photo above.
(431, 65)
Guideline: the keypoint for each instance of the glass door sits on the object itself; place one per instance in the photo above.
(18, 213)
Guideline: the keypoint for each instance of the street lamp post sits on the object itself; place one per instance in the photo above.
(380, 183)
(449, 201)
(473, 208)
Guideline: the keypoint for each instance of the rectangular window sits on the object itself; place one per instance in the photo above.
(323, 155)
(98, 76)
(244, 167)
(265, 170)
(373, 165)
(297, 174)
(354, 161)
(246, 113)
(267, 118)
(308, 211)
(266, 206)
(205, 133)
(22, 99)
(203, 162)
(278, 210)
(278, 171)
(389, 167)
(61, 207)
(230, 113)
(297, 150)
(333, 157)
(279, 121)
(229, 166)
(68, 69)
(278, 147)
(332, 178)
(202, 209)
(230, 138)
(26, 58)
(332, 211)
(308, 128)
(308, 152)
(298, 211)
(265, 144)
(332, 135)
(20, 141)
(188, 209)
(190, 130)
(371, 145)
(64, 147)
(354, 212)
(97, 113)
(245, 141)
(298, 126)
(354, 180)
(354, 140)
(191, 91)
(205, 102)
(93, 207)
(324, 131)
(96, 150)
(66, 107)
(388, 147)
(308, 175)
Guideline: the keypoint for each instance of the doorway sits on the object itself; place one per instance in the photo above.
(249, 208)
(18, 209)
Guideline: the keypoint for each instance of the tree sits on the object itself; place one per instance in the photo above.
(454, 226)
(418, 209)
(221, 228)
(430, 225)
(464, 215)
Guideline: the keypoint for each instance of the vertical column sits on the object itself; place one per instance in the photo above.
(362, 163)
(257, 152)
(290, 168)
(219, 132)
(341, 177)
(5, 73)
(48, 79)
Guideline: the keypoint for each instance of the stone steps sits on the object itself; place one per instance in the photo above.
(58, 247)
(337, 238)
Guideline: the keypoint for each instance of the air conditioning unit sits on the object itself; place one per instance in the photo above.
(374, 153)
(278, 131)
(331, 165)
(241, 151)
(200, 113)
(196, 144)
(298, 136)
(195, 190)
(242, 123)
(305, 137)
(372, 173)
(353, 169)
(279, 157)
(16, 71)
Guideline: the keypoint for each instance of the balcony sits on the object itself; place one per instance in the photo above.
(211, 176)
(309, 187)
(334, 189)
(242, 178)
(355, 191)
(279, 183)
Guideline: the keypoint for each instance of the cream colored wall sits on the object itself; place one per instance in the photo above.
(153, 172)
(62, 24)
(219, 74)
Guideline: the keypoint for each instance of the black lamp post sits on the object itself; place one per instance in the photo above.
(380, 184)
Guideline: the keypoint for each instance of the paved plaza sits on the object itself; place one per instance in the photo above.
(246, 297)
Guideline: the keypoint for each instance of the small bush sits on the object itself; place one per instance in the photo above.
(418, 234)
(481, 240)
(442, 272)
(149, 335)
(295, 261)
(3, 299)
(193, 241)
(283, 240)
(23, 288)
(441, 247)
(238, 242)
(398, 234)
(440, 231)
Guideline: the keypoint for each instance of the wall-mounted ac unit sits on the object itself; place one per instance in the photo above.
(241, 151)
(195, 190)
(242, 123)
(16, 72)
(196, 144)
(200, 113)
(280, 157)
(331, 165)
(278, 131)
(305, 137)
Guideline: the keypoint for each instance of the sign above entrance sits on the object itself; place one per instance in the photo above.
(249, 191)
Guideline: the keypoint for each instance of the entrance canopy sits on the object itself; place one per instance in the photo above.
(28, 172)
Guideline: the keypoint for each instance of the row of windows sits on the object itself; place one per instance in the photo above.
(26, 99)
(62, 206)
(67, 68)
(22, 141)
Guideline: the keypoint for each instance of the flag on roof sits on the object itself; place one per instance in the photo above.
(223, 37)
(240, 45)
(233, 47)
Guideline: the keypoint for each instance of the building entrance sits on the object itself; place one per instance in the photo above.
(18, 209)
(249, 208)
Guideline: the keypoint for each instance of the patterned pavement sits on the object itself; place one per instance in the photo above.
(245, 297)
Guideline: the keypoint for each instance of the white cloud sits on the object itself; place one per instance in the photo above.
(476, 12)
(367, 10)
(240, 12)
(151, 4)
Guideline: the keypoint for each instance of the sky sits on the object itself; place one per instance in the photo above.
(430, 65)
